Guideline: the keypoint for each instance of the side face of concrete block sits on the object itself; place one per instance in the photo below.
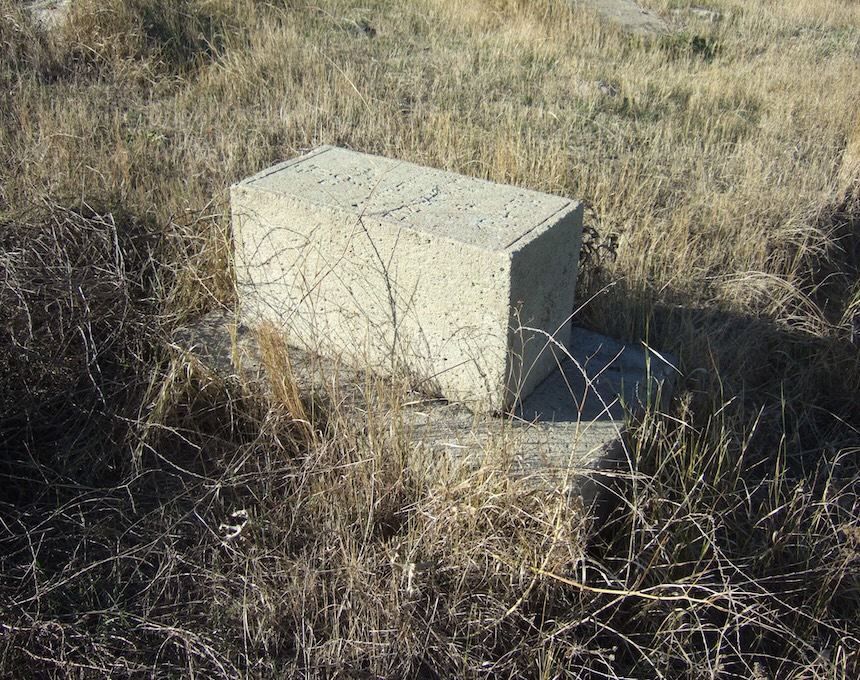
(543, 284)
(395, 266)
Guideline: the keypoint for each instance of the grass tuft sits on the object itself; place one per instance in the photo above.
(159, 519)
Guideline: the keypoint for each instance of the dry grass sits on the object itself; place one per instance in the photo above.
(156, 520)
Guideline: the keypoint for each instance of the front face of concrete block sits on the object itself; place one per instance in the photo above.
(396, 266)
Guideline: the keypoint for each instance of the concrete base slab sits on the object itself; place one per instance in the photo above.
(568, 434)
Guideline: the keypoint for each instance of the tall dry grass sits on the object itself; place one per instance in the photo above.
(158, 520)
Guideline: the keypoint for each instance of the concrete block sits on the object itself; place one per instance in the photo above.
(393, 266)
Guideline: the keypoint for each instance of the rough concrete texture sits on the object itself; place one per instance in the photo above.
(629, 15)
(461, 283)
(48, 14)
(568, 434)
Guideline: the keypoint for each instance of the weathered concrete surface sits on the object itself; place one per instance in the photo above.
(48, 14)
(628, 14)
(568, 434)
(463, 284)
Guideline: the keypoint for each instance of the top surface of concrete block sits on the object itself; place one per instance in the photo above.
(471, 211)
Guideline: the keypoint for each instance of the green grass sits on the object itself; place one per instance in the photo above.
(722, 164)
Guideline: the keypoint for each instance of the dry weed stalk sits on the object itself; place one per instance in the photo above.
(156, 519)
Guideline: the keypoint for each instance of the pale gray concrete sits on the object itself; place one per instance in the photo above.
(465, 285)
(627, 14)
(47, 14)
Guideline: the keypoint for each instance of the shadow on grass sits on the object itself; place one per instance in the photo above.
(748, 486)
(111, 453)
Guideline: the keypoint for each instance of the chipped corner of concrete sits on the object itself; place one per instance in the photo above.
(568, 435)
